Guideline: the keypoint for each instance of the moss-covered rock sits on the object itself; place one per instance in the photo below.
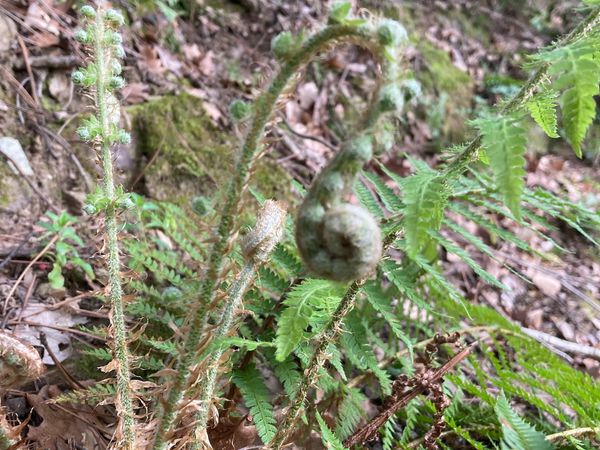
(183, 153)
(440, 76)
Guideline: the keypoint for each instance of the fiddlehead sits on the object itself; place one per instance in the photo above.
(338, 240)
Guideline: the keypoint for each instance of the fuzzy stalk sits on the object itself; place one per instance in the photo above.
(264, 109)
(117, 317)
(256, 248)
(207, 385)
(470, 153)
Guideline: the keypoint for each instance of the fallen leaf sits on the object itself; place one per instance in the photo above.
(212, 110)
(207, 65)
(135, 93)
(549, 285)
(12, 149)
(58, 340)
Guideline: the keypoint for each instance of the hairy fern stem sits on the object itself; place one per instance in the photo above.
(102, 131)
(263, 111)
(258, 245)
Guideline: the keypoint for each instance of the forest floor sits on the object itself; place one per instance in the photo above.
(222, 53)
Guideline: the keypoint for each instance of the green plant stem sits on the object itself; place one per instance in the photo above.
(121, 355)
(207, 386)
(264, 108)
(470, 153)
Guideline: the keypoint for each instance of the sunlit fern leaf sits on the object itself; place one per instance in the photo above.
(301, 303)
(330, 440)
(504, 140)
(425, 197)
(518, 434)
(542, 108)
(256, 396)
(577, 71)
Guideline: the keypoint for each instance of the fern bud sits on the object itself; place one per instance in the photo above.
(84, 133)
(283, 45)
(200, 205)
(83, 36)
(114, 17)
(119, 51)
(390, 98)
(88, 11)
(267, 232)
(239, 110)
(89, 209)
(391, 33)
(359, 150)
(19, 362)
(123, 137)
(113, 38)
(116, 67)
(116, 82)
(339, 12)
(78, 77)
(172, 294)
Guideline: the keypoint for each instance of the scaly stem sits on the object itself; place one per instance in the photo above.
(207, 386)
(121, 355)
(264, 108)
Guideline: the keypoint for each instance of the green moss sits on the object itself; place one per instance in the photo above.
(440, 76)
(184, 154)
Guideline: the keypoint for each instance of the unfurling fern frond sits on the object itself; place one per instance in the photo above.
(425, 196)
(542, 108)
(256, 396)
(518, 434)
(504, 141)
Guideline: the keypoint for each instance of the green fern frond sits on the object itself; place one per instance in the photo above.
(542, 108)
(330, 440)
(425, 197)
(518, 434)
(256, 396)
(504, 140)
(303, 301)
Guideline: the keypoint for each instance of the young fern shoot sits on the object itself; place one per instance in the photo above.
(257, 247)
(102, 131)
(294, 53)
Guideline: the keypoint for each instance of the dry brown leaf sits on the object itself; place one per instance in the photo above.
(135, 93)
(207, 65)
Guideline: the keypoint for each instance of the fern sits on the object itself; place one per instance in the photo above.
(542, 108)
(504, 142)
(330, 440)
(425, 196)
(518, 434)
(249, 380)
(304, 301)
(578, 73)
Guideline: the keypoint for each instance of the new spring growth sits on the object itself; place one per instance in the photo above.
(257, 244)
(256, 248)
(239, 110)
